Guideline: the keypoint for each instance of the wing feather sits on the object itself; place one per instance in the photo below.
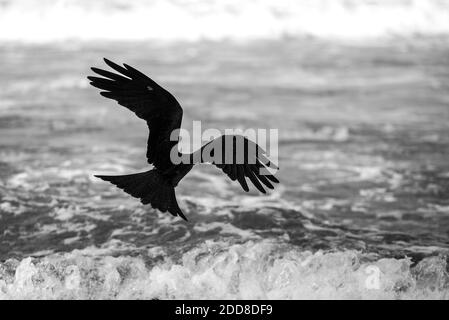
(252, 166)
(149, 101)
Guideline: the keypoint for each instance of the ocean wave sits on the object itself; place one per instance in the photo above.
(49, 20)
(220, 270)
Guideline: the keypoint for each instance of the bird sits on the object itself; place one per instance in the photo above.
(163, 114)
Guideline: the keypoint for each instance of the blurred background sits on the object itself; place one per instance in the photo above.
(358, 91)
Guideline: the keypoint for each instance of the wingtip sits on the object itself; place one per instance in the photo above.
(109, 63)
(261, 189)
(96, 70)
(273, 178)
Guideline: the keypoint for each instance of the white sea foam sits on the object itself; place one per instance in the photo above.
(49, 20)
(219, 270)
(226, 228)
(15, 209)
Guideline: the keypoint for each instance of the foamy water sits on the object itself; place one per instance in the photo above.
(50, 20)
(220, 270)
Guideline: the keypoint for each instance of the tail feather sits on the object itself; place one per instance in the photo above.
(151, 187)
(175, 207)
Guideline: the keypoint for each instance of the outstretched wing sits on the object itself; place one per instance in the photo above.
(239, 158)
(149, 101)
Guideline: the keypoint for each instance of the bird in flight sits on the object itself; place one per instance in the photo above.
(163, 115)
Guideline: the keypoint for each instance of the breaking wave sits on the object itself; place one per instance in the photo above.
(220, 270)
(50, 20)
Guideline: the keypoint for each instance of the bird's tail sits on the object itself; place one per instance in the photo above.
(151, 187)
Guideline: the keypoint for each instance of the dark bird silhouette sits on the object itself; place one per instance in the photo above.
(163, 114)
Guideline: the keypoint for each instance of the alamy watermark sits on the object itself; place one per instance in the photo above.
(372, 280)
(231, 146)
